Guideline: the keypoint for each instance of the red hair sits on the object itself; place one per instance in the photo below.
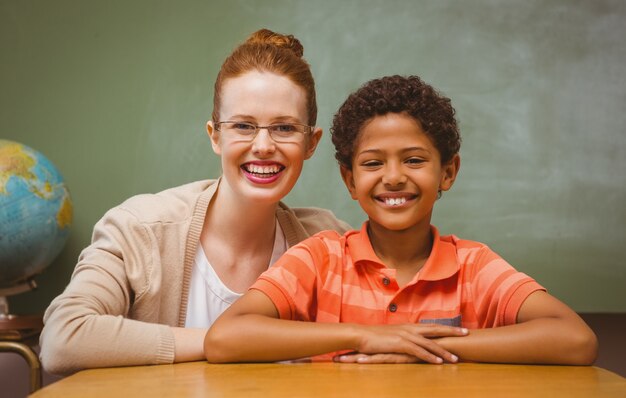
(267, 51)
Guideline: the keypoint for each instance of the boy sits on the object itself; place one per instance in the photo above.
(397, 291)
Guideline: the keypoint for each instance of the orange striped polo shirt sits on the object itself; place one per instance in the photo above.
(338, 278)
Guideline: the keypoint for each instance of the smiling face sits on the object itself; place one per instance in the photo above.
(397, 173)
(262, 170)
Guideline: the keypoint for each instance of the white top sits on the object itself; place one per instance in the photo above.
(208, 296)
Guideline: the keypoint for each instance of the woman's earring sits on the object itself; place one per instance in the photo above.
(439, 193)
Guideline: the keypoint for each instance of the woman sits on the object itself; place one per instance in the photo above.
(162, 267)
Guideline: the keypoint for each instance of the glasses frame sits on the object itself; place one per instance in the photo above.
(308, 129)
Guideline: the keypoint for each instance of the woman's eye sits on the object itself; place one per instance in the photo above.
(244, 126)
(284, 128)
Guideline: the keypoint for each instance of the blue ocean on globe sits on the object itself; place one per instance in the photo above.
(35, 213)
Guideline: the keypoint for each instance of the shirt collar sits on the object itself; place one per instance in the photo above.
(441, 264)
(360, 247)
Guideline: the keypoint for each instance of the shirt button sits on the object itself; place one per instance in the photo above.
(393, 307)
(386, 281)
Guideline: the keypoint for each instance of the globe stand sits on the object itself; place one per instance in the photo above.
(17, 330)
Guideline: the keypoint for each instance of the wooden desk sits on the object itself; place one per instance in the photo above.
(320, 380)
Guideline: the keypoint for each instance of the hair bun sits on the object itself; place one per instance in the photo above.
(266, 36)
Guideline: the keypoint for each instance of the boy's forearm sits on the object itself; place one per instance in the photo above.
(250, 331)
(546, 340)
(257, 338)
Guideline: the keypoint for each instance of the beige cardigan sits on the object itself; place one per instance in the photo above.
(132, 282)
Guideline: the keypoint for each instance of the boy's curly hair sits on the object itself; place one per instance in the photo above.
(396, 94)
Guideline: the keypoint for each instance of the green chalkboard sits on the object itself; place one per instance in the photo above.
(116, 93)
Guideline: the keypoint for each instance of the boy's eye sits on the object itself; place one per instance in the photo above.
(371, 163)
(415, 161)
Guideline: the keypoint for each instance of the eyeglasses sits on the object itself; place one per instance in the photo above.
(280, 132)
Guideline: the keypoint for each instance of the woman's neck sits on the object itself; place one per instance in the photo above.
(247, 226)
(238, 238)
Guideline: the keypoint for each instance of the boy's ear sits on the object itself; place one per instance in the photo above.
(314, 139)
(348, 179)
(214, 136)
(449, 172)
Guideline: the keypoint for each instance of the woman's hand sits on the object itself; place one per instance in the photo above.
(188, 344)
(403, 343)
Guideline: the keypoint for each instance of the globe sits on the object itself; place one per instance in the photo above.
(35, 213)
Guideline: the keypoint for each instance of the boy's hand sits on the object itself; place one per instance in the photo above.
(357, 357)
(414, 340)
